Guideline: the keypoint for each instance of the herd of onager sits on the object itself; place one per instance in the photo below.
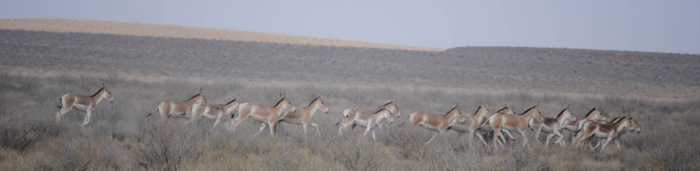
(593, 125)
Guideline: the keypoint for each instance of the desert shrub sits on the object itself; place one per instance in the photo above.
(22, 135)
(164, 146)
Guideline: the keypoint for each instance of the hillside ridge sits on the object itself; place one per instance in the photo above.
(619, 74)
(177, 31)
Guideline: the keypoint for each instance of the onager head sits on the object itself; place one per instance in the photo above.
(595, 114)
(635, 126)
(483, 111)
(104, 93)
(455, 115)
(391, 107)
(566, 114)
(284, 104)
(321, 105)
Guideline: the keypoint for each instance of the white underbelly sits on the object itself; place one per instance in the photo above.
(460, 128)
(361, 123)
(429, 127)
(208, 116)
(80, 107)
(257, 118)
(293, 121)
(601, 134)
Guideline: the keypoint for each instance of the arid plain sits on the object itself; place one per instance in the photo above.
(41, 60)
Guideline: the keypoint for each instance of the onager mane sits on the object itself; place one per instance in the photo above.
(228, 103)
(528, 110)
(312, 102)
(98, 91)
(589, 112)
(194, 96)
(278, 103)
(453, 108)
(499, 110)
(562, 112)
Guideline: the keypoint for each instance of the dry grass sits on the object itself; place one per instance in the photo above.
(175, 31)
(38, 67)
(119, 138)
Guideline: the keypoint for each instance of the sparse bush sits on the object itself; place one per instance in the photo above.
(23, 135)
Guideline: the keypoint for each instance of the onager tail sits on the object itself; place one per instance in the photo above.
(59, 104)
(149, 114)
(404, 121)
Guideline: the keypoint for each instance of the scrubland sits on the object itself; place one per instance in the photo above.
(120, 137)
(658, 90)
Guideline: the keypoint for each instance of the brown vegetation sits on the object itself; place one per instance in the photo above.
(119, 138)
(175, 31)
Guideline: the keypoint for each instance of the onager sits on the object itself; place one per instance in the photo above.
(265, 114)
(473, 123)
(553, 126)
(82, 103)
(218, 112)
(375, 119)
(304, 115)
(592, 115)
(435, 122)
(515, 123)
(353, 117)
(635, 128)
(178, 108)
(606, 131)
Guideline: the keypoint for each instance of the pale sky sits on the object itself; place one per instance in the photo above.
(631, 25)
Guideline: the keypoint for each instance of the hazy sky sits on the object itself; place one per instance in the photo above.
(658, 26)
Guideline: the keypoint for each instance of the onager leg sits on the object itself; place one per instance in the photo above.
(374, 136)
(496, 133)
(367, 131)
(317, 130)
(304, 126)
(606, 144)
(87, 117)
(262, 126)
(537, 136)
(63, 111)
(525, 140)
(236, 122)
(546, 143)
(218, 119)
(481, 137)
(432, 138)
(558, 133)
(272, 126)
